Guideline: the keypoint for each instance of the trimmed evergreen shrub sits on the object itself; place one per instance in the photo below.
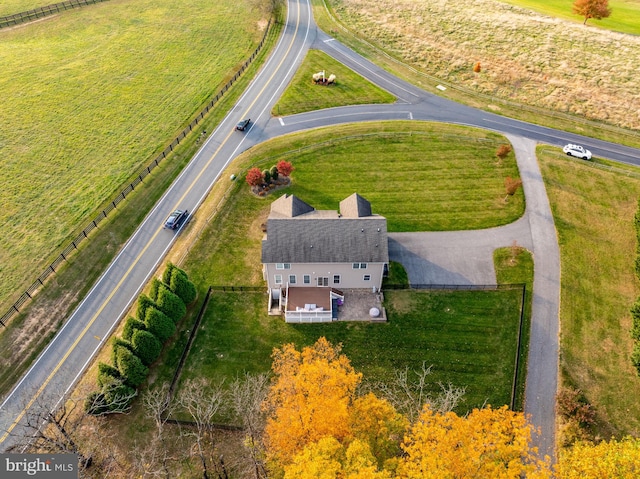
(114, 397)
(117, 342)
(168, 272)
(181, 285)
(153, 292)
(119, 396)
(143, 303)
(130, 326)
(171, 304)
(266, 174)
(131, 369)
(159, 324)
(146, 346)
(107, 374)
(274, 172)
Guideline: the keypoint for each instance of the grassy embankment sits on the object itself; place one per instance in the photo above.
(350, 88)
(533, 68)
(593, 210)
(29, 332)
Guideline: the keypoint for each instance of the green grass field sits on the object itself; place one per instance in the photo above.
(9, 7)
(350, 89)
(89, 97)
(545, 71)
(593, 211)
(625, 14)
(468, 337)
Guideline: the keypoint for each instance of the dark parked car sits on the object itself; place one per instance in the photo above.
(243, 124)
(175, 219)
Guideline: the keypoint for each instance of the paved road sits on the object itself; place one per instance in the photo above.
(89, 326)
(91, 323)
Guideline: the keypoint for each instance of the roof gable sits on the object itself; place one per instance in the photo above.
(326, 237)
(355, 206)
(290, 206)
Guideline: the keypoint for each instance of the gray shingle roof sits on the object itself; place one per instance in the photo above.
(325, 236)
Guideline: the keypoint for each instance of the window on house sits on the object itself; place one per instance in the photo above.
(283, 265)
(306, 279)
(336, 279)
(278, 278)
(322, 281)
(292, 279)
(367, 277)
(359, 265)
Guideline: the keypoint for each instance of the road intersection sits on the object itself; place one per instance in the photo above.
(89, 326)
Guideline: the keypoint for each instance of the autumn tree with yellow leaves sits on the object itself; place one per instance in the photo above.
(584, 460)
(310, 398)
(487, 443)
(318, 427)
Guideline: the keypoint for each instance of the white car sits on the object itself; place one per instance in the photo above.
(577, 151)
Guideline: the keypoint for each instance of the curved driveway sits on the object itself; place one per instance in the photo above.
(466, 258)
(84, 332)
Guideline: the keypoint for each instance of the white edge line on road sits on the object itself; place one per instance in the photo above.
(122, 251)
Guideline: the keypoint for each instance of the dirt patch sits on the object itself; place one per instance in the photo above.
(264, 190)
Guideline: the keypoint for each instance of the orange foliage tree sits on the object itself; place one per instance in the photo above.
(309, 399)
(254, 177)
(597, 9)
(318, 427)
(330, 459)
(285, 168)
(487, 443)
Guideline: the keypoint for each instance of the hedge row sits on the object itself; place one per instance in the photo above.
(635, 309)
(141, 342)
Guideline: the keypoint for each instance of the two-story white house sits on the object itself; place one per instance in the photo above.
(309, 256)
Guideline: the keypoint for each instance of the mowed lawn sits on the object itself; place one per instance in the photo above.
(593, 211)
(468, 337)
(625, 14)
(420, 176)
(89, 97)
(303, 94)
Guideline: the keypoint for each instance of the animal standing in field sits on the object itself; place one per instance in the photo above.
(318, 77)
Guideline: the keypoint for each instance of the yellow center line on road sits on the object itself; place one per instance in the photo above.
(144, 250)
